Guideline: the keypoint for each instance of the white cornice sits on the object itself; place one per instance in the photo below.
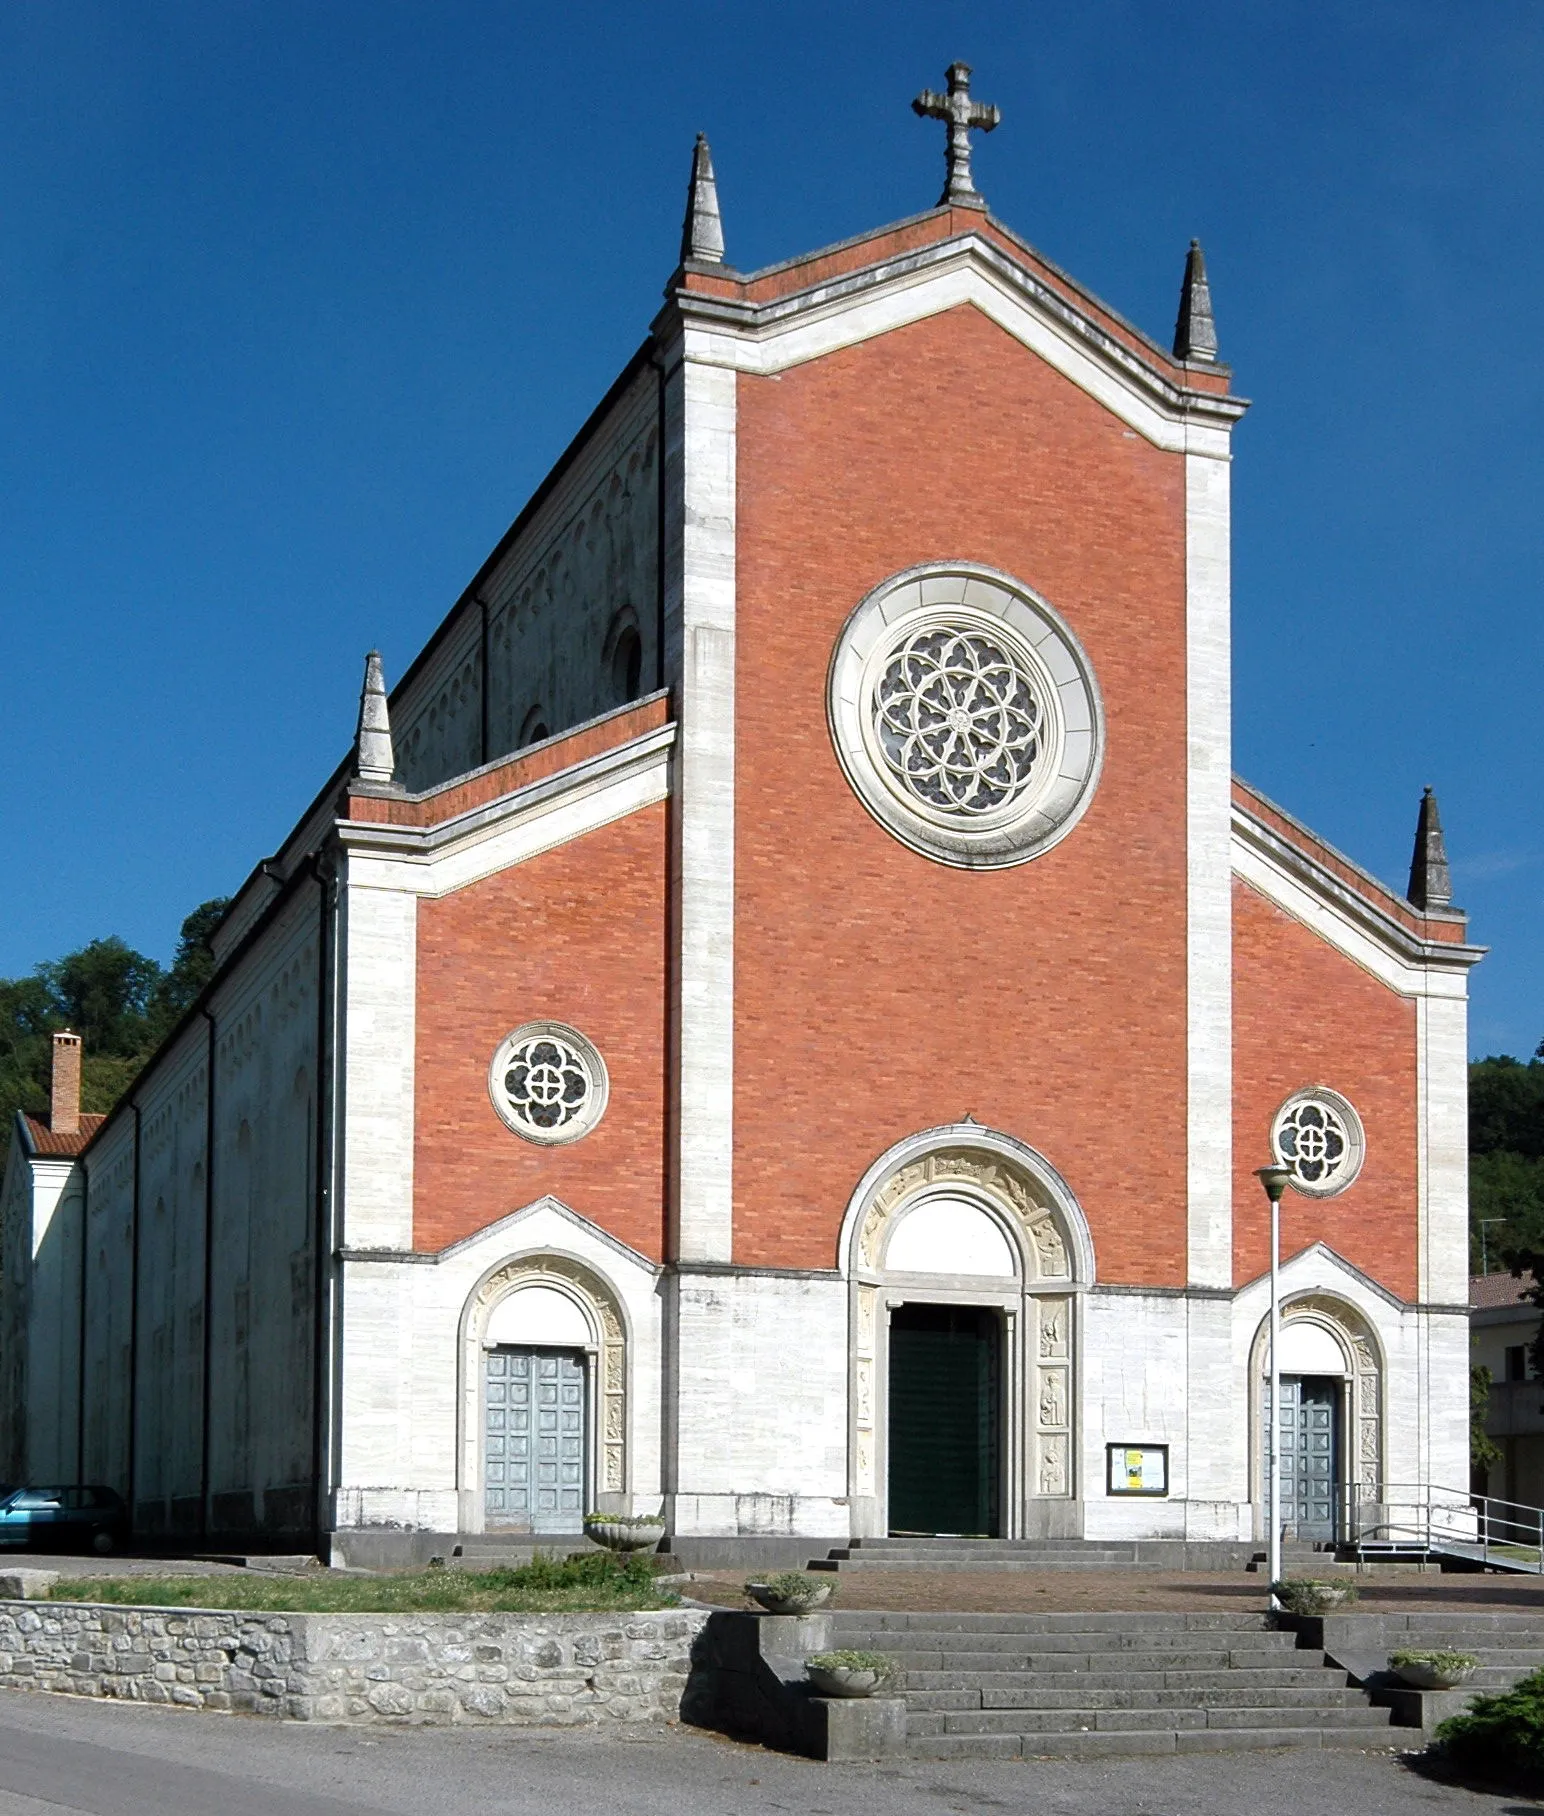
(434, 860)
(764, 338)
(1365, 933)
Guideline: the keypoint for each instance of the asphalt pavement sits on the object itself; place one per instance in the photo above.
(81, 1758)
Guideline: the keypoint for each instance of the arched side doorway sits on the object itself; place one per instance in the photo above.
(965, 1252)
(1332, 1416)
(543, 1400)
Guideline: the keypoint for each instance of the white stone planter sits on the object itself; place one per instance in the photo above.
(844, 1680)
(803, 1603)
(625, 1535)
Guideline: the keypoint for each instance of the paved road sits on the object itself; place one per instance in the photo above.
(61, 1757)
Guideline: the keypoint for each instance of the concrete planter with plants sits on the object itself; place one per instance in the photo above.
(848, 1673)
(625, 1531)
(1434, 1669)
(1310, 1595)
(790, 1592)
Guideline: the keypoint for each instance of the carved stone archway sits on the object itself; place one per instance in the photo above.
(1024, 1198)
(601, 1308)
(1362, 1469)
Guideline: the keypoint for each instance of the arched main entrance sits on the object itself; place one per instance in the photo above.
(965, 1253)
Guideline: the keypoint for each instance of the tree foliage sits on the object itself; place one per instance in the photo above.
(1506, 1159)
(122, 1004)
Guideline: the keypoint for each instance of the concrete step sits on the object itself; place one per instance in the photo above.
(1148, 1664)
(1047, 1648)
(1182, 1683)
(1007, 1709)
(878, 1620)
(1008, 1566)
(1049, 1645)
(996, 1689)
(1107, 1744)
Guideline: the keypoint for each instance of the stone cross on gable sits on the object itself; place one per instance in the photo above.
(963, 115)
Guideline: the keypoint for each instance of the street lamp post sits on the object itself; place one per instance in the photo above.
(1274, 1179)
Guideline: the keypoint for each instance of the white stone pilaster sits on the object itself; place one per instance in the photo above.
(379, 962)
(1209, 876)
(700, 657)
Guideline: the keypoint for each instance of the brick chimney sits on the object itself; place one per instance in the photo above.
(64, 1112)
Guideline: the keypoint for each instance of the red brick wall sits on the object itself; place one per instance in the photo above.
(1303, 1014)
(575, 935)
(878, 992)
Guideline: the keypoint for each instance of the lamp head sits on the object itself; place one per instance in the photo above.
(1275, 1179)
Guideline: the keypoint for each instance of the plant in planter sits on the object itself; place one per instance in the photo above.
(625, 1531)
(848, 1673)
(1434, 1670)
(1308, 1595)
(790, 1592)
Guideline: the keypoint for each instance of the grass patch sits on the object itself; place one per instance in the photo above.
(600, 1582)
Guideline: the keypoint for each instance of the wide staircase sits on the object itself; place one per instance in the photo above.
(1022, 1555)
(1005, 1686)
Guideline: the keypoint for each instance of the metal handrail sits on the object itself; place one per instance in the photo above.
(1428, 1517)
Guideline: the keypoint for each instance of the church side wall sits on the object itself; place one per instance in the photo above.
(262, 1303)
(585, 566)
(108, 1317)
(1305, 1014)
(169, 1417)
(575, 935)
(149, 1367)
(877, 992)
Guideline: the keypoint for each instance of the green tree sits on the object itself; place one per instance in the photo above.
(1506, 1158)
(121, 1003)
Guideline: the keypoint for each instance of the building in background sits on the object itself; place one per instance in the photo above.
(778, 1013)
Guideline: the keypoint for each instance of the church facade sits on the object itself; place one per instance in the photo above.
(777, 1016)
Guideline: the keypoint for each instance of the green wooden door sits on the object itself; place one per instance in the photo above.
(945, 1419)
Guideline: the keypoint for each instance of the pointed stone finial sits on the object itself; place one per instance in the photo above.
(1195, 332)
(374, 760)
(962, 116)
(1431, 880)
(702, 233)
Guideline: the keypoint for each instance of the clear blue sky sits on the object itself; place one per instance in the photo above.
(298, 303)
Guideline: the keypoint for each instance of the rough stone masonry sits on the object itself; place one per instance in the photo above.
(525, 1669)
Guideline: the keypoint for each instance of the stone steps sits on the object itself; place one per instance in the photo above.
(1011, 1686)
(1020, 1555)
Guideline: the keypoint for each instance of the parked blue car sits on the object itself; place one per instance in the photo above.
(63, 1519)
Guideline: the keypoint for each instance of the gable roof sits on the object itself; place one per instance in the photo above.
(44, 1144)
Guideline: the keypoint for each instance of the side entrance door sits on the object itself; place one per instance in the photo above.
(1310, 1407)
(534, 1440)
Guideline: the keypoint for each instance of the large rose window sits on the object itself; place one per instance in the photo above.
(965, 715)
(959, 721)
(548, 1082)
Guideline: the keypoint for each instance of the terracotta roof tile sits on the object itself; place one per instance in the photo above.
(1487, 1291)
(49, 1146)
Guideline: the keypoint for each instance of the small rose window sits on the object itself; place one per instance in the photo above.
(1319, 1137)
(548, 1083)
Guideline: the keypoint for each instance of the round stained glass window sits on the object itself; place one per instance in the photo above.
(1318, 1136)
(965, 716)
(548, 1082)
(960, 722)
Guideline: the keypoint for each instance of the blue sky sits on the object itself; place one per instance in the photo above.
(297, 304)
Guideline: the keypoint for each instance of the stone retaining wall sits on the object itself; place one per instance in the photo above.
(532, 1669)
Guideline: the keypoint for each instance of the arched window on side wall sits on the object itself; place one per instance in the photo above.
(623, 657)
(533, 728)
